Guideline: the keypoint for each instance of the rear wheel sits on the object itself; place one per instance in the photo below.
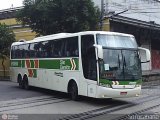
(74, 91)
(20, 82)
(26, 85)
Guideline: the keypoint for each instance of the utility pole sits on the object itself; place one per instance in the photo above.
(104, 11)
(102, 14)
(106, 7)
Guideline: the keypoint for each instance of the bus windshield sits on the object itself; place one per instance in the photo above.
(116, 41)
(120, 62)
(120, 65)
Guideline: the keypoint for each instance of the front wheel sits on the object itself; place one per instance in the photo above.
(74, 91)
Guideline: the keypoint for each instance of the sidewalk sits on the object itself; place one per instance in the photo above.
(4, 78)
(151, 72)
(151, 75)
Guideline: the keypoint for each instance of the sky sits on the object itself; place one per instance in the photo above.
(5, 4)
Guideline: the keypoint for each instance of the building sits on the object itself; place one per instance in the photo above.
(138, 17)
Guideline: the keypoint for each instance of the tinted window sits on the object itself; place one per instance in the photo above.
(88, 57)
(116, 41)
(72, 47)
(26, 49)
(13, 52)
(31, 50)
(66, 47)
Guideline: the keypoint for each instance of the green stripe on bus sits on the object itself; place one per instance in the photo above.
(32, 63)
(34, 73)
(76, 62)
(23, 63)
(62, 64)
(49, 64)
(16, 63)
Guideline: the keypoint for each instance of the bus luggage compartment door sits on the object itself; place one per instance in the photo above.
(91, 90)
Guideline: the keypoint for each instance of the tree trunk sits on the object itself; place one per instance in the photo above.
(4, 73)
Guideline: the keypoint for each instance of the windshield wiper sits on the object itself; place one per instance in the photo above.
(124, 62)
(119, 64)
(123, 65)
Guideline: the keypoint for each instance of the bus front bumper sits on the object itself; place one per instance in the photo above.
(104, 92)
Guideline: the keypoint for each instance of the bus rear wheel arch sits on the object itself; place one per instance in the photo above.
(73, 90)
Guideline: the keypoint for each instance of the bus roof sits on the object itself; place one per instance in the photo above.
(65, 35)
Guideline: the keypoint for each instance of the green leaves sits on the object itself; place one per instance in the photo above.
(7, 37)
(54, 16)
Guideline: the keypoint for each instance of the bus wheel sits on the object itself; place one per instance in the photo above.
(26, 85)
(20, 82)
(74, 91)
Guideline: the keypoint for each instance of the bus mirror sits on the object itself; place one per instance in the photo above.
(144, 55)
(99, 50)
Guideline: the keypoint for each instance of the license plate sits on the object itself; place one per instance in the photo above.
(123, 93)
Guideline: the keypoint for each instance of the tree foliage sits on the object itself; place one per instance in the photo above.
(7, 37)
(54, 16)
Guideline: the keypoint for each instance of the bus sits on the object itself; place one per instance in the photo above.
(95, 64)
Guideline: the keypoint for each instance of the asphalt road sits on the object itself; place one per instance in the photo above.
(42, 104)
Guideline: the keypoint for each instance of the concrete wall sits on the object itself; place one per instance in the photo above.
(106, 25)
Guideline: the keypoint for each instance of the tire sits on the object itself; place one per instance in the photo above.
(74, 92)
(26, 85)
(20, 82)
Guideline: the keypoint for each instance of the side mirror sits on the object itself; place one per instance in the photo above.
(144, 54)
(99, 50)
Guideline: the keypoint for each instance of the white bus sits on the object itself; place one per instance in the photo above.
(96, 64)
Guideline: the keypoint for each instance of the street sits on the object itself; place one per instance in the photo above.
(19, 103)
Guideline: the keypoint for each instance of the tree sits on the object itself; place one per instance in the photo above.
(54, 16)
(7, 37)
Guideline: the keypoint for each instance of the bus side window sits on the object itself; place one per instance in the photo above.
(32, 51)
(13, 52)
(23, 51)
(36, 48)
(45, 49)
(71, 47)
(17, 52)
(88, 57)
(39, 50)
(58, 48)
(27, 51)
(51, 48)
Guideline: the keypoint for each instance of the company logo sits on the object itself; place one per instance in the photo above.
(9, 117)
(4, 117)
(65, 66)
(14, 63)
